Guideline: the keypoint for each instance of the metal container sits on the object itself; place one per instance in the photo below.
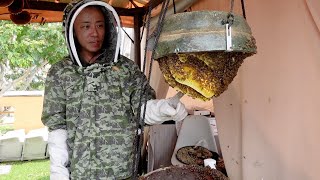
(202, 31)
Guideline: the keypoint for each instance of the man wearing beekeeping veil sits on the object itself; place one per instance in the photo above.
(92, 99)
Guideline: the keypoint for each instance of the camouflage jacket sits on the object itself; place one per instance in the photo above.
(97, 105)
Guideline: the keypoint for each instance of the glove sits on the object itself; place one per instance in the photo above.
(58, 150)
(158, 111)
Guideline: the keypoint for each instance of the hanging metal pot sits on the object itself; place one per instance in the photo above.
(21, 18)
(194, 55)
(16, 6)
(202, 31)
(5, 3)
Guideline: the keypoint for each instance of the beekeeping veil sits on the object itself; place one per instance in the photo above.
(112, 34)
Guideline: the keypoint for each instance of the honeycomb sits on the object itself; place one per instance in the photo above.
(201, 75)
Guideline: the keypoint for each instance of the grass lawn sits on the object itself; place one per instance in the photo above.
(28, 170)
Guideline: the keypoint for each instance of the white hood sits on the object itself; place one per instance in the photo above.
(112, 39)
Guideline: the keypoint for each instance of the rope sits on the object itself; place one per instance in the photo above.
(135, 166)
(139, 138)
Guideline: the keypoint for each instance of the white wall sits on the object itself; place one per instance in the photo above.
(276, 97)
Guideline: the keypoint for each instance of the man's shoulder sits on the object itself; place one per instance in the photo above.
(61, 65)
(128, 63)
(124, 60)
(66, 61)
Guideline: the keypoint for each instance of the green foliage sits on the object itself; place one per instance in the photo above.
(27, 45)
(5, 128)
(28, 170)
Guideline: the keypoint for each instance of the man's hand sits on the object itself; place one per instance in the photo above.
(158, 111)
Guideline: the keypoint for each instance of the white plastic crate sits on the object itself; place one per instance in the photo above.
(11, 145)
(35, 145)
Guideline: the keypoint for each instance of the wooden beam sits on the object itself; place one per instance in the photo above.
(51, 6)
(130, 12)
(44, 5)
(137, 42)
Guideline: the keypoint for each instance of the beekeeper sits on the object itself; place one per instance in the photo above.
(92, 99)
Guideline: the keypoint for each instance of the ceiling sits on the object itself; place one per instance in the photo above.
(43, 11)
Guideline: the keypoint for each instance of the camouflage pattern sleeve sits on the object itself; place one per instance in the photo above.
(141, 88)
(54, 103)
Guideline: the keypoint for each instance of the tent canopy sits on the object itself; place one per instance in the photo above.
(43, 11)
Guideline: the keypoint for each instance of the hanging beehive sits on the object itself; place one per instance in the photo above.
(16, 7)
(194, 53)
(17, 14)
(21, 18)
(5, 3)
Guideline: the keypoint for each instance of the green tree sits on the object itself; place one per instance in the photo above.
(26, 51)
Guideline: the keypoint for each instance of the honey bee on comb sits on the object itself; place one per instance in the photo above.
(201, 75)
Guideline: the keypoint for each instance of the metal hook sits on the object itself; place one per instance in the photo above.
(228, 37)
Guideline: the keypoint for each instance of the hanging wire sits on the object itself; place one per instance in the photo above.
(140, 121)
(159, 28)
(231, 7)
(174, 7)
(143, 26)
(230, 16)
(243, 9)
(127, 35)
